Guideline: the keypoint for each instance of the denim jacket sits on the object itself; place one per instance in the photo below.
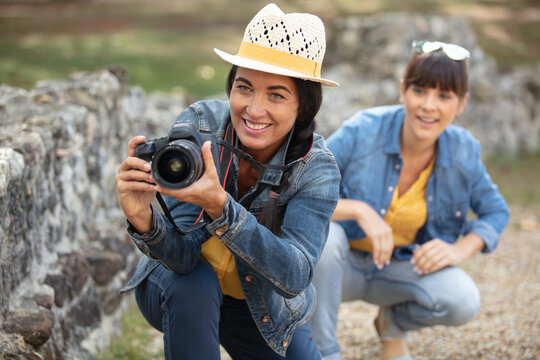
(367, 150)
(275, 272)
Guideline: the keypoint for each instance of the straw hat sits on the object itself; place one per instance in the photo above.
(284, 44)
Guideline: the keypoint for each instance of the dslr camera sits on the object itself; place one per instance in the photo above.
(177, 158)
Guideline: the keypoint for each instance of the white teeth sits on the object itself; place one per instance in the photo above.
(427, 120)
(256, 126)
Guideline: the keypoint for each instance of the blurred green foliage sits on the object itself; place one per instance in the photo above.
(517, 178)
(138, 341)
(167, 45)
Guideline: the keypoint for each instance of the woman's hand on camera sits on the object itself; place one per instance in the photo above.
(136, 188)
(206, 192)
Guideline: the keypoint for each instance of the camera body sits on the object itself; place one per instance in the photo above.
(177, 158)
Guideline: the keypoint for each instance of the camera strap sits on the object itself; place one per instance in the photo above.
(259, 167)
(227, 143)
(223, 172)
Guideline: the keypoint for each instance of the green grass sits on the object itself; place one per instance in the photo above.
(157, 61)
(517, 178)
(133, 344)
(167, 45)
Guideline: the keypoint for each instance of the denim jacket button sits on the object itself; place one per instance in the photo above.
(383, 211)
(265, 319)
(249, 278)
(221, 230)
(285, 343)
(458, 213)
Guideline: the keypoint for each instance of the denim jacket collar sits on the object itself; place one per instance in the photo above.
(393, 145)
(444, 155)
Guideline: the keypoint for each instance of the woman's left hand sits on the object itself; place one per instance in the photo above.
(206, 192)
(435, 255)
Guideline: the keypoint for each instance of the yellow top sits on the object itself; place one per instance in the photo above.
(406, 214)
(222, 260)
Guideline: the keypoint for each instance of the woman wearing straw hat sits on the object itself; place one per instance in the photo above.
(401, 231)
(242, 276)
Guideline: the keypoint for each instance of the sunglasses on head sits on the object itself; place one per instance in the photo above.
(453, 51)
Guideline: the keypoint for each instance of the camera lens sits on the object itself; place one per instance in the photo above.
(173, 166)
(177, 164)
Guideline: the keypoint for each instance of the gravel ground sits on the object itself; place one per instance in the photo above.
(508, 325)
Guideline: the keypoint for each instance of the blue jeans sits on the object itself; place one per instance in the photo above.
(195, 317)
(411, 301)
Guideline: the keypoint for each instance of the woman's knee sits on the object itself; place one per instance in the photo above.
(461, 301)
(464, 308)
(199, 288)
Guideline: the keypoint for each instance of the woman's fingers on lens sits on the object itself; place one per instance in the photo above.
(127, 186)
(134, 174)
(140, 176)
(207, 157)
(135, 163)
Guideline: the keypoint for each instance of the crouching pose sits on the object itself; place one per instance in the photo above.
(409, 179)
(233, 263)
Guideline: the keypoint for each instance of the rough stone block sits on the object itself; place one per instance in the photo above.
(36, 328)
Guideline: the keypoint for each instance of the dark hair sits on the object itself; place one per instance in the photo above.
(309, 103)
(435, 69)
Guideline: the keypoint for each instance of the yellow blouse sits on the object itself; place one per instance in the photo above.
(222, 260)
(406, 214)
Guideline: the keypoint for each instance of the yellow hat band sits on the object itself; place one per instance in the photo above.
(279, 58)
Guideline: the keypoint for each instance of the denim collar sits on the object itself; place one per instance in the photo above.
(393, 144)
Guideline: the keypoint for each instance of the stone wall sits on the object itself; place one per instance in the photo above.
(63, 252)
(368, 55)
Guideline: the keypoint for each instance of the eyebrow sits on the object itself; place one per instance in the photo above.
(275, 87)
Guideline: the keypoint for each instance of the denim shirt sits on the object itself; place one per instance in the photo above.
(275, 272)
(367, 150)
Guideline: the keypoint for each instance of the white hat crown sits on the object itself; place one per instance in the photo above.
(285, 44)
(298, 34)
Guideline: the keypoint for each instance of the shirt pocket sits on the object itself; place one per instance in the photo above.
(450, 218)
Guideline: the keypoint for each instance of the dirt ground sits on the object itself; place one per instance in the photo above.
(508, 325)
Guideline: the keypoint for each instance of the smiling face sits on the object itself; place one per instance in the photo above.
(264, 108)
(428, 111)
